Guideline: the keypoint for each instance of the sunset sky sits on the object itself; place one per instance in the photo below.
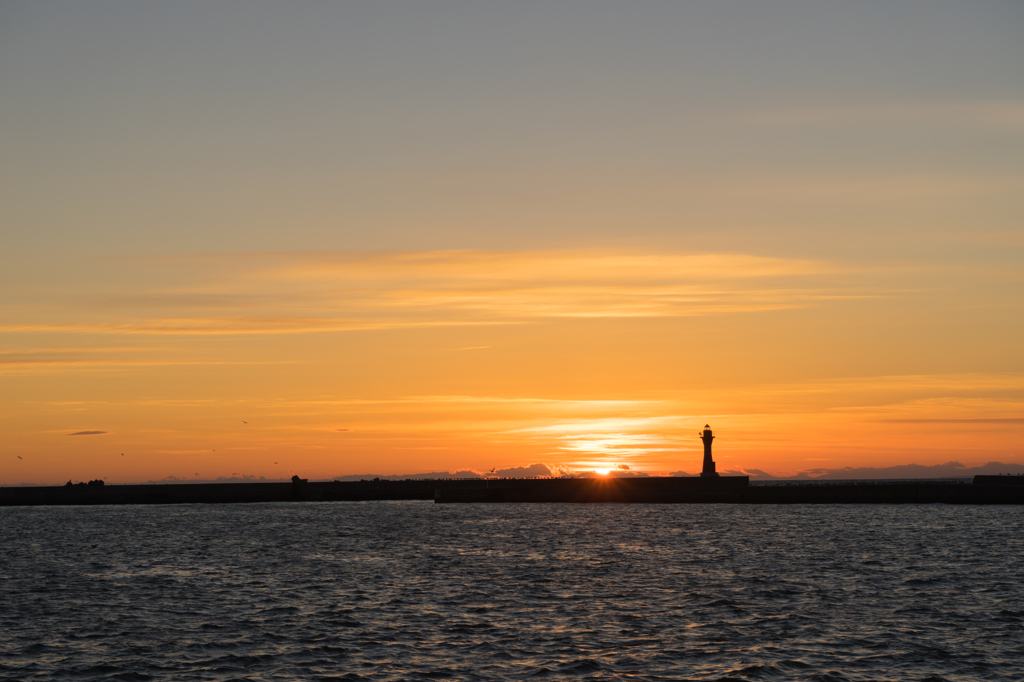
(329, 239)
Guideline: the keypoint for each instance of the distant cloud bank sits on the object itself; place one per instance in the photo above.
(531, 471)
(947, 470)
(234, 478)
(87, 433)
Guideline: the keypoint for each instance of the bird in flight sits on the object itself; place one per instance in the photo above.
(19, 457)
(244, 422)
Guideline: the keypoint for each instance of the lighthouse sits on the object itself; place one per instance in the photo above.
(709, 464)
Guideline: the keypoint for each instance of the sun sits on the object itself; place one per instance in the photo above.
(602, 472)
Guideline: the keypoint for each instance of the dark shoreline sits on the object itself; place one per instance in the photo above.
(737, 490)
(727, 489)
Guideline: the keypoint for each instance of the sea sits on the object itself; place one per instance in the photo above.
(414, 590)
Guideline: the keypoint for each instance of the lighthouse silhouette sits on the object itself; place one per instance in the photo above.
(709, 464)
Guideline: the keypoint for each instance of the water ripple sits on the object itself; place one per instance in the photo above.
(413, 590)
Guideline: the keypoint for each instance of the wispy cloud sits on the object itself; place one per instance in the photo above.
(529, 285)
(301, 293)
(602, 425)
(468, 401)
(612, 438)
(98, 365)
(533, 266)
(956, 421)
(232, 325)
(88, 433)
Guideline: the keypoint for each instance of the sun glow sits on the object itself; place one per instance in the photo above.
(602, 472)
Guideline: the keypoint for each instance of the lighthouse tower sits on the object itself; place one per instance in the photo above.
(709, 464)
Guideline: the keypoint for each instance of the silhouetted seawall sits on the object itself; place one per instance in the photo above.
(725, 489)
(187, 493)
(728, 489)
(1011, 481)
(646, 489)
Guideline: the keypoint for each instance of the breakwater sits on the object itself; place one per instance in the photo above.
(736, 490)
(640, 489)
(725, 489)
(222, 493)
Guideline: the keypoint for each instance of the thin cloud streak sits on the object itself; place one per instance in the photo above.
(508, 267)
(44, 366)
(304, 293)
(602, 425)
(469, 400)
(1012, 420)
(232, 326)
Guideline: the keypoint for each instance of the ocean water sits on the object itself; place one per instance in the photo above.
(414, 590)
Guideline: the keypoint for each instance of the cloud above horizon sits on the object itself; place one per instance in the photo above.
(88, 433)
(951, 469)
(1008, 420)
(300, 292)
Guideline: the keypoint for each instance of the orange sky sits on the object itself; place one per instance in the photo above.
(392, 363)
(392, 239)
